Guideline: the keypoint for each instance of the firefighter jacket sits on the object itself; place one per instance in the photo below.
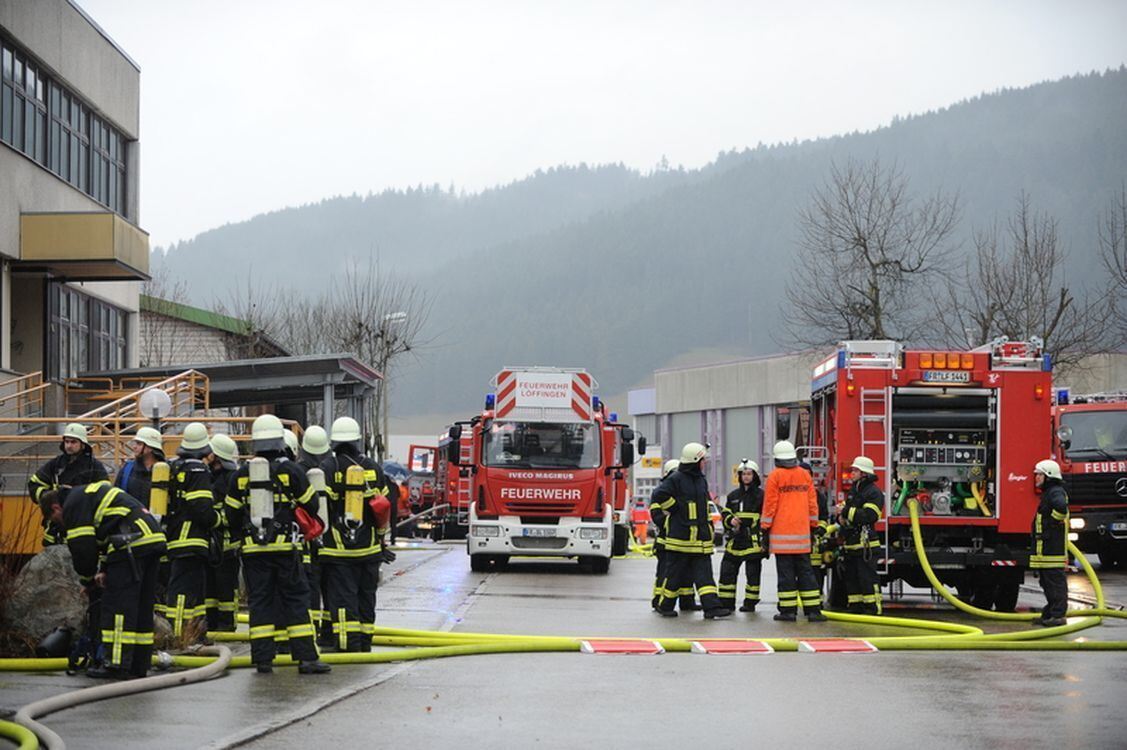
(683, 498)
(745, 503)
(221, 480)
(862, 509)
(359, 539)
(1050, 527)
(103, 521)
(790, 510)
(135, 479)
(191, 508)
(290, 489)
(60, 472)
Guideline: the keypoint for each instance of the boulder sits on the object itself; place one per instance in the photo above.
(46, 595)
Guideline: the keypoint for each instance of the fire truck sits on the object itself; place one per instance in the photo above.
(547, 469)
(959, 431)
(452, 484)
(1090, 442)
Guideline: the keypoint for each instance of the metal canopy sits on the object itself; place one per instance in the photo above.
(275, 380)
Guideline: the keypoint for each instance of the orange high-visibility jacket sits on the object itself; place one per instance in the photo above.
(790, 510)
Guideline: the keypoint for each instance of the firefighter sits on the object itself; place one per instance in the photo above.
(136, 477)
(223, 578)
(314, 450)
(192, 517)
(790, 511)
(75, 465)
(265, 503)
(683, 496)
(1050, 534)
(353, 549)
(115, 547)
(861, 544)
(281, 634)
(741, 522)
(660, 519)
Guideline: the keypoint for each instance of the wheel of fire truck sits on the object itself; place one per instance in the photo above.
(598, 565)
(1112, 555)
(621, 541)
(480, 563)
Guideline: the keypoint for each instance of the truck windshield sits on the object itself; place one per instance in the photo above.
(1097, 433)
(545, 445)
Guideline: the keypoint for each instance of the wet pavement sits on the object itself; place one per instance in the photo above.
(929, 699)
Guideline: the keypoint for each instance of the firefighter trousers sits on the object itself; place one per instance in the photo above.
(797, 584)
(862, 584)
(276, 590)
(1055, 585)
(351, 601)
(222, 600)
(729, 578)
(683, 571)
(686, 598)
(184, 597)
(127, 613)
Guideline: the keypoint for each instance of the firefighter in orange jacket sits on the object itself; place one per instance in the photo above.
(790, 511)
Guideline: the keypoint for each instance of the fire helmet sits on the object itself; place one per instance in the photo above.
(78, 432)
(864, 464)
(150, 436)
(693, 452)
(784, 451)
(266, 434)
(670, 467)
(1049, 468)
(315, 441)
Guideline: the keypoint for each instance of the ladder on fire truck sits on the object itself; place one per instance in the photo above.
(465, 483)
(876, 443)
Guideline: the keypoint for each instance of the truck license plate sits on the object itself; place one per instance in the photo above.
(1119, 526)
(946, 376)
(540, 532)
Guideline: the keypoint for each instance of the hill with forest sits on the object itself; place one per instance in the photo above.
(622, 272)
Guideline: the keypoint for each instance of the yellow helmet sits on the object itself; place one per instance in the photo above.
(315, 441)
(266, 434)
(225, 449)
(345, 430)
(195, 439)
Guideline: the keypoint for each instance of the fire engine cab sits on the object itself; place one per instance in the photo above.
(1090, 442)
(959, 431)
(547, 470)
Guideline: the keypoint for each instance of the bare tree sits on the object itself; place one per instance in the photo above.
(1112, 235)
(1014, 286)
(158, 341)
(258, 308)
(868, 249)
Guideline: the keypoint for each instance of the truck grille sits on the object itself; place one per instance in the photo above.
(539, 542)
(553, 509)
(1093, 489)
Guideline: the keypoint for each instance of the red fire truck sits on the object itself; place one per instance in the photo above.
(452, 483)
(960, 431)
(1090, 442)
(547, 470)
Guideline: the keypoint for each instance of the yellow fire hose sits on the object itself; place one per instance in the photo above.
(24, 738)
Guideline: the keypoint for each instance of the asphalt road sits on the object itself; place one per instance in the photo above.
(925, 699)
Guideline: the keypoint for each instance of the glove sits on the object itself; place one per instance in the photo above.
(387, 556)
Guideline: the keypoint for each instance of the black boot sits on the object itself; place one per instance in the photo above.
(712, 614)
(747, 607)
(314, 667)
(815, 615)
(785, 617)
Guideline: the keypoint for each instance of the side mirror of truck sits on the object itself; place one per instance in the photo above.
(464, 473)
(627, 457)
(642, 445)
(456, 432)
(627, 434)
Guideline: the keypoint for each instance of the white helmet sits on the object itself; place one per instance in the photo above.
(150, 436)
(291, 441)
(315, 441)
(865, 465)
(78, 432)
(345, 430)
(748, 465)
(1049, 468)
(670, 467)
(225, 450)
(194, 439)
(784, 451)
(266, 434)
(693, 452)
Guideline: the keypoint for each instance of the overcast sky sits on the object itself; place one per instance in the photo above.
(253, 105)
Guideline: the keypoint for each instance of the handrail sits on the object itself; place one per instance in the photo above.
(177, 383)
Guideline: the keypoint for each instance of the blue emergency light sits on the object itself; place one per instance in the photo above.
(614, 416)
(490, 400)
(596, 403)
(1062, 396)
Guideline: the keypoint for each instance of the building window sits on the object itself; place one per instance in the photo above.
(53, 126)
(83, 334)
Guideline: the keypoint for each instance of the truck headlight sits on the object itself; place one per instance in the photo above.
(1077, 523)
(592, 533)
(485, 531)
